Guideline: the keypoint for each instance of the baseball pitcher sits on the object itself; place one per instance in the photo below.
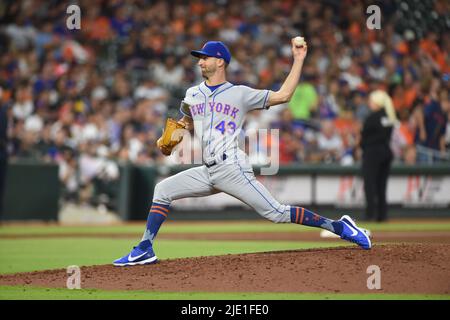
(216, 109)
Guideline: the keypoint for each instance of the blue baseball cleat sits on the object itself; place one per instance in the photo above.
(137, 256)
(352, 233)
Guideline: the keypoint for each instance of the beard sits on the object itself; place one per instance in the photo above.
(207, 72)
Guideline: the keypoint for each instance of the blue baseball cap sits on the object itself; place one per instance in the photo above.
(216, 49)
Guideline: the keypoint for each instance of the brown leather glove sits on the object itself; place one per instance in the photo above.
(170, 137)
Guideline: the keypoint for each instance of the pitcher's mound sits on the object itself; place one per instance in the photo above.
(404, 268)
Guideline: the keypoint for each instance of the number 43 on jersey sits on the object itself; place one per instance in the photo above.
(229, 127)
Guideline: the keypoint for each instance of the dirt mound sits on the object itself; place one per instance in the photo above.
(405, 268)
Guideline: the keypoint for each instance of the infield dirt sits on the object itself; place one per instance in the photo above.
(405, 268)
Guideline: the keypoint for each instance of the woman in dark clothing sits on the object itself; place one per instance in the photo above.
(377, 154)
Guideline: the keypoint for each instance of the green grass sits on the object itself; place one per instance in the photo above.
(24, 293)
(169, 227)
(212, 227)
(22, 255)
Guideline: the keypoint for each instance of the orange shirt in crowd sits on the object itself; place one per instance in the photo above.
(409, 97)
(435, 53)
(178, 26)
(196, 28)
(404, 99)
(345, 127)
(403, 48)
(197, 8)
(98, 29)
(355, 30)
(157, 43)
(406, 133)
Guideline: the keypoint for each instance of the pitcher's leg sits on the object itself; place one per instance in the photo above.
(245, 187)
(193, 182)
(190, 183)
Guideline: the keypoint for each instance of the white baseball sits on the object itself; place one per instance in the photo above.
(299, 41)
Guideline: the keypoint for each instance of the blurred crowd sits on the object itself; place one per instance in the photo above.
(90, 98)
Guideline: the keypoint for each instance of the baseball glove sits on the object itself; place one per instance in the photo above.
(170, 137)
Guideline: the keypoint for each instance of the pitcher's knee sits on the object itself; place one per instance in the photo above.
(279, 215)
(161, 193)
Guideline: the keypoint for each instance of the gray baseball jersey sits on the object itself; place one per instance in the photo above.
(218, 117)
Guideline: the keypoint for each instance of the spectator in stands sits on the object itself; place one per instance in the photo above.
(24, 105)
(68, 175)
(169, 74)
(45, 143)
(403, 135)
(409, 155)
(359, 106)
(305, 99)
(432, 123)
(330, 143)
(290, 149)
(330, 105)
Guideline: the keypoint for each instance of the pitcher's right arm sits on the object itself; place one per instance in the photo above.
(287, 89)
